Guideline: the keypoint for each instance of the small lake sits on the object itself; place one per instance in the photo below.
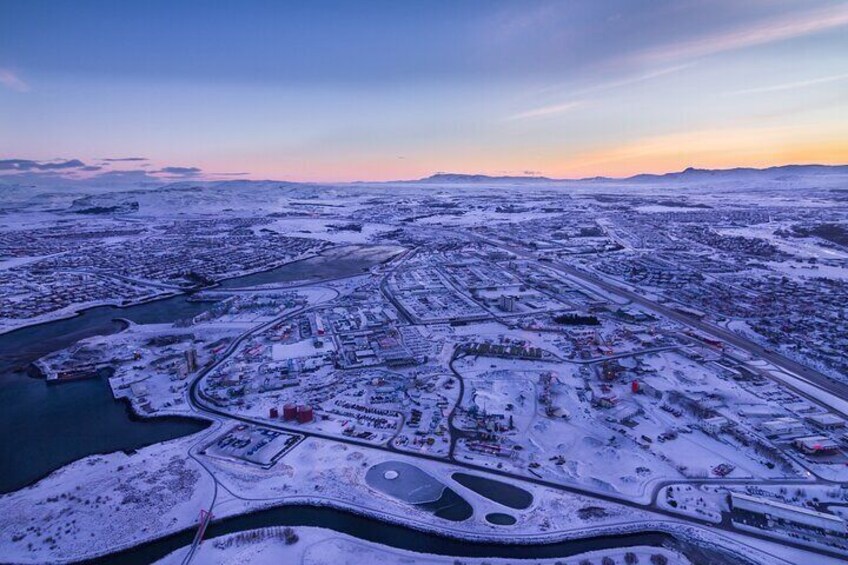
(411, 485)
(500, 519)
(497, 491)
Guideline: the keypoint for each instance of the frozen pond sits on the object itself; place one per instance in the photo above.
(405, 482)
(497, 491)
(412, 485)
(500, 519)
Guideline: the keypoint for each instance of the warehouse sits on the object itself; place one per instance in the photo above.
(767, 514)
(782, 427)
(826, 421)
(816, 445)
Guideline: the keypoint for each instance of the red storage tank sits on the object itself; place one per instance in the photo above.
(289, 412)
(274, 413)
(634, 386)
(304, 414)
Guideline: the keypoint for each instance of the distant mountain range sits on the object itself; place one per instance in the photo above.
(690, 174)
(459, 177)
(833, 176)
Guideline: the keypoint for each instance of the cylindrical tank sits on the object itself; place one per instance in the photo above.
(304, 414)
(289, 412)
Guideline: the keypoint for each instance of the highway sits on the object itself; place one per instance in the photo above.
(812, 376)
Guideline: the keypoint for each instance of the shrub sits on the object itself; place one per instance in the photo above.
(290, 536)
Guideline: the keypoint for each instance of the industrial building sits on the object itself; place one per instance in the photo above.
(715, 425)
(826, 421)
(764, 513)
(507, 303)
(783, 427)
(816, 445)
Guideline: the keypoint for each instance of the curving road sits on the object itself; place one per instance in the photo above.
(201, 404)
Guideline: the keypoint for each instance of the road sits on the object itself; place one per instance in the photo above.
(202, 405)
(812, 376)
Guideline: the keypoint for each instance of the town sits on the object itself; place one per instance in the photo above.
(478, 367)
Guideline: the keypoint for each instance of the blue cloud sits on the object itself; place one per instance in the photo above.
(180, 171)
(29, 165)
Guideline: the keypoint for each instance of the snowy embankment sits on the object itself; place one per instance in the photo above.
(158, 293)
(103, 504)
(8, 325)
(319, 546)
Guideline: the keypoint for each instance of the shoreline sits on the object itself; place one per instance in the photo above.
(74, 311)
(133, 415)
(675, 532)
(36, 371)
(56, 317)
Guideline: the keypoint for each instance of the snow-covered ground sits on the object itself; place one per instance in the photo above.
(317, 546)
(619, 424)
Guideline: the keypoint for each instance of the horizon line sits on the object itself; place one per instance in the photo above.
(227, 177)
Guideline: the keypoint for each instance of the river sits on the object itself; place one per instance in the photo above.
(401, 537)
(337, 262)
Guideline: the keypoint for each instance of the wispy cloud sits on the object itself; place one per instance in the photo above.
(789, 85)
(12, 81)
(627, 81)
(578, 96)
(787, 26)
(122, 159)
(546, 111)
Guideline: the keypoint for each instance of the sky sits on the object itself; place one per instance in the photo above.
(379, 90)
